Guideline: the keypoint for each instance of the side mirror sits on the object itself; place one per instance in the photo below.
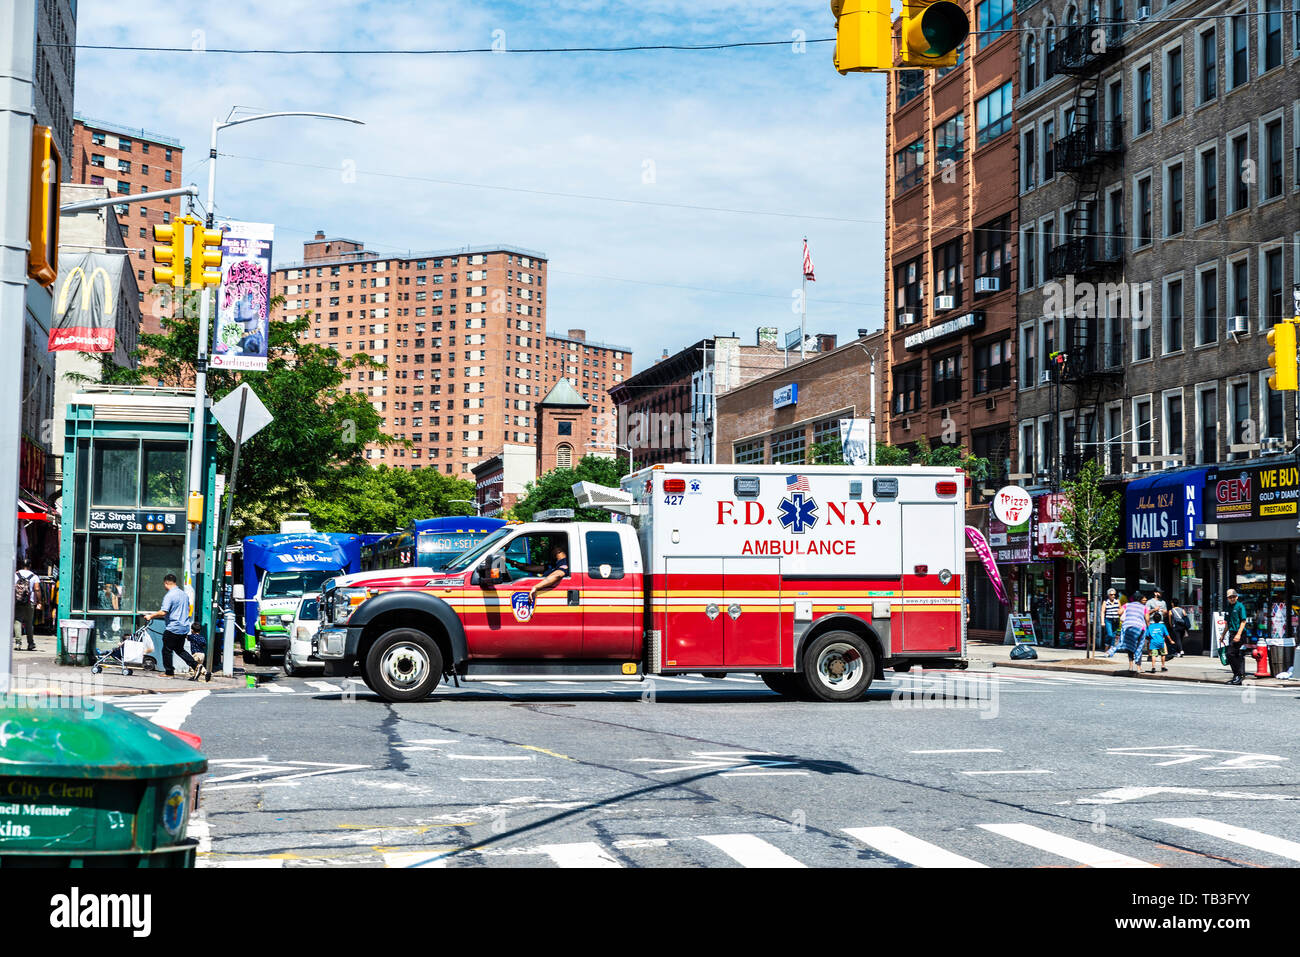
(237, 592)
(491, 569)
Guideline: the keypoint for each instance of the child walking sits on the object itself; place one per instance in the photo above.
(1157, 635)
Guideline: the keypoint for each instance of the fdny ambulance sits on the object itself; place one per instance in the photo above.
(816, 580)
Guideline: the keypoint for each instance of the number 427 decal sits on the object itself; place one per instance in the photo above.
(673, 499)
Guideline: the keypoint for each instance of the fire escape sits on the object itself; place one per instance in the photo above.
(1091, 356)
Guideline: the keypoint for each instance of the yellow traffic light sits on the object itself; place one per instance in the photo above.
(864, 38)
(1282, 337)
(931, 31)
(43, 209)
(173, 234)
(205, 257)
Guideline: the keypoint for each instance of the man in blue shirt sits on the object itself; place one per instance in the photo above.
(1235, 638)
(176, 609)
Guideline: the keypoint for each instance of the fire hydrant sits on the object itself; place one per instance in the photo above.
(1260, 654)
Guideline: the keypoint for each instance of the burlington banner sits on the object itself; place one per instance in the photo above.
(85, 300)
(243, 300)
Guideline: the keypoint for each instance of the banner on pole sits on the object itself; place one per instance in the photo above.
(243, 326)
(855, 441)
(85, 304)
(981, 547)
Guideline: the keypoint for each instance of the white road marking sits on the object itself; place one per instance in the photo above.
(323, 686)
(278, 689)
(430, 858)
(432, 741)
(1238, 835)
(1118, 795)
(177, 708)
(506, 780)
(502, 684)
(685, 681)
(1034, 771)
(909, 849)
(748, 681)
(490, 757)
(960, 751)
(1067, 847)
(583, 854)
(750, 851)
(247, 862)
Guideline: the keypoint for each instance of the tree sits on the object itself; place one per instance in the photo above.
(555, 489)
(362, 499)
(827, 453)
(943, 455)
(318, 432)
(1090, 524)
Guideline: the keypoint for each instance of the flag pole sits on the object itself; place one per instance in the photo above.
(803, 305)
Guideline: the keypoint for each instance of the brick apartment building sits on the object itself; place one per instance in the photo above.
(950, 245)
(593, 368)
(130, 161)
(765, 422)
(667, 412)
(1175, 176)
(459, 335)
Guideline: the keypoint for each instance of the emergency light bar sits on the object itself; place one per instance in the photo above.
(592, 495)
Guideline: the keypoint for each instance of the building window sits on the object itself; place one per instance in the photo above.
(949, 137)
(1028, 362)
(1239, 157)
(946, 379)
(1238, 292)
(907, 291)
(1173, 84)
(993, 114)
(993, 21)
(1028, 155)
(1208, 87)
(1174, 199)
(945, 70)
(1272, 171)
(911, 84)
(907, 389)
(909, 165)
(1049, 158)
(1207, 308)
(1141, 329)
(1271, 280)
(564, 456)
(993, 253)
(1173, 316)
(1143, 117)
(1207, 449)
(1028, 259)
(1239, 56)
(748, 453)
(1173, 424)
(948, 274)
(790, 448)
(1208, 173)
(1142, 427)
(1030, 79)
(1271, 35)
(1142, 212)
(992, 365)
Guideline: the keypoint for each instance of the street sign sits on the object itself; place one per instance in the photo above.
(256, 416)
(1012, 504)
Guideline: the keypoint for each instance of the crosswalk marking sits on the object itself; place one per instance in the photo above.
(909, 849)
(1066, 847)
(582, 854)
(282, 689)
(429, 858)
(684, 681)
(502, 684)
(322, 686)
(1238, 835)
(750, 851)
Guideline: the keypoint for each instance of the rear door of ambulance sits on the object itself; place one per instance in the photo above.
(932, 524)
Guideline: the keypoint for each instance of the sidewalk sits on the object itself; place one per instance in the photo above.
(1201, 668)
(39, 670)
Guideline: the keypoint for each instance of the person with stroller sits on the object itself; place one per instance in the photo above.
(176, 610)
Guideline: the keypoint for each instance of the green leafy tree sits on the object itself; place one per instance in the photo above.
(1090, 525)
(362, 499)
(943, 455)
(319, 432)
(826, 453)
(555, 489)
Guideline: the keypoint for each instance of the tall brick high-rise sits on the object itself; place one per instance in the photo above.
(131, 161)
(459, 335)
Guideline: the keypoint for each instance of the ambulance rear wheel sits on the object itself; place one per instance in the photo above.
(786, 684)
(838, 666)
(403, 665)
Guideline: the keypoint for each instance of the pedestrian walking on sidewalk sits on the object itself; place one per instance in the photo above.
(1110, 617)
(1180, 623)
(1157, 635)
(1133, 620)
(27, 601)
(1234, 636)
(176, 609)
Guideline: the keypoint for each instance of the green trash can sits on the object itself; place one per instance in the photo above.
(83, 787)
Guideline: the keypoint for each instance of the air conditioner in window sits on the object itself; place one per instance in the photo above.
(1144, 13)
(991, 404)
(906, 318)
(988, 284)
(1045, 377)
(944, 302)
(907, 425)
(1238, 325)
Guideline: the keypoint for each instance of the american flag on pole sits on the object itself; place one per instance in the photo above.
(796, 483)
(808, 263)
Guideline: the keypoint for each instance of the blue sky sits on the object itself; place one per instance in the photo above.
(768, 130)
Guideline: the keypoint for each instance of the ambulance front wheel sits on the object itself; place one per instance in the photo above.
(838, 666)
(403, 665)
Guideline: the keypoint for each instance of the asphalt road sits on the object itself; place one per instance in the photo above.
(937, 769)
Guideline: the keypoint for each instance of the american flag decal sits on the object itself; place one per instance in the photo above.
(796, 483)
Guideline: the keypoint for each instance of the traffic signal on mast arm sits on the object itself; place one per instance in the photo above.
(864, 38)
(931, 31)
(1282, 337)
(205, 257)
(43, 211)
(173, 234)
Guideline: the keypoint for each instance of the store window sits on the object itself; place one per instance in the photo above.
(789, 447)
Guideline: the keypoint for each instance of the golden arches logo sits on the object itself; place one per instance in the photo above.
(87, 290)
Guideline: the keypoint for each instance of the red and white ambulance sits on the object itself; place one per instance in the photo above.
(815, 578)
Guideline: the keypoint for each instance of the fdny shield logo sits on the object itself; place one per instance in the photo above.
(522, 604)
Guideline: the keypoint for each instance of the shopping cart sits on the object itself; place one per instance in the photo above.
(134, 652)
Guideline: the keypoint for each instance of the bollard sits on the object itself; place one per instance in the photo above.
(228, 646)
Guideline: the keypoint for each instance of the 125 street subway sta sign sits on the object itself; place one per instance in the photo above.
(1259, 492)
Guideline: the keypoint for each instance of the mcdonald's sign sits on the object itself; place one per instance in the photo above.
(85, 303)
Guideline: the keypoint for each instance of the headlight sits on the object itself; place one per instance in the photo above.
(344, 601)
(286, 620)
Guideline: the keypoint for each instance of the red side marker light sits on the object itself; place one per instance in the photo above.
(675, 486)
(945, 488)
(922, 569)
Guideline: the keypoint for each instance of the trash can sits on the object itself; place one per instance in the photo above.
(82, 788)
(74, 641)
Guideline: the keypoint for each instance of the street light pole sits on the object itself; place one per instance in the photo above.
(194, 556)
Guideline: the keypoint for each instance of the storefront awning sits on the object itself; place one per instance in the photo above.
(32, 509)
(1161, 511)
